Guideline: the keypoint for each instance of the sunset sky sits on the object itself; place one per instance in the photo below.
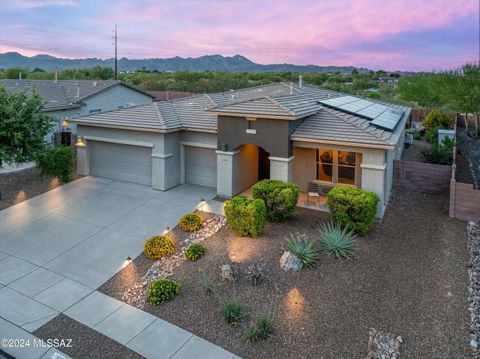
(387, 34)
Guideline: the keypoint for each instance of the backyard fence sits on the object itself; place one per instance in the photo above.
(422, 177)
(464, 199)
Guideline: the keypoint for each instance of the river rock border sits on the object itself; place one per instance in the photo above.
(383, 345)
(164, 267)
(473, 230)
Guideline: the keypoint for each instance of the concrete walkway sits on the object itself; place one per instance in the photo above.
(57, 248)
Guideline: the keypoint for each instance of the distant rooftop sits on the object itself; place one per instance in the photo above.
(63, 93)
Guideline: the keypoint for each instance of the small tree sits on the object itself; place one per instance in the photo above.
(23, 126)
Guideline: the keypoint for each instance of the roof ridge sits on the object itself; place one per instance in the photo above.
(281, 105)
(333, 113)
(117, 109)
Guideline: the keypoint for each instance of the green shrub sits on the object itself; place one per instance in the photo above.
(245, 216)
(353, 208)
(432, 135)
(437, 119)
(280, 198)
(440, 154)
(157, 247)
(194, 251)
(162, 290)
(299, 245)
(56, 162)
(417, 135)
(261, 329)
(233, 311)
(337, 241)
(190, 222)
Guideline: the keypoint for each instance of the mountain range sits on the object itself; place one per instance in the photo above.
(235, 63)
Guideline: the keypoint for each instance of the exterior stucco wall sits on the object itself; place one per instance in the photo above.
(272, 135)
(245, 164)
(303, 166)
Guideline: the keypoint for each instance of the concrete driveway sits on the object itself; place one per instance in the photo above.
(57, 248)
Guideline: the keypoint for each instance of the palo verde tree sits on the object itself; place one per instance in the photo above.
(23, 126)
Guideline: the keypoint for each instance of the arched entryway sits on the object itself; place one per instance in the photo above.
(251, 164)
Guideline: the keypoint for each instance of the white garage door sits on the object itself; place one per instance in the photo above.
(201, 166)
(122, 162)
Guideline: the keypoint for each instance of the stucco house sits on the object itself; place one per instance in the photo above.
(65, 99)
(229, 141)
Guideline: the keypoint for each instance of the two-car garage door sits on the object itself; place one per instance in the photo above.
(122, 162)
(201, 166)
(134, 163)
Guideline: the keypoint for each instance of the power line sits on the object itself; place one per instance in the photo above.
(115, 44)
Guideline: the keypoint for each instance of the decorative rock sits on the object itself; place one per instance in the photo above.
(228, 273)
(383, 346)
(164, 267)
(473, 231)
(289, 261)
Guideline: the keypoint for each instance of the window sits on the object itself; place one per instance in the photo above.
(336, 166)
(346, 167)
(325, 165)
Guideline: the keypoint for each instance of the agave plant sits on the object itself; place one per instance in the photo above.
(299, 245)
(337, 241)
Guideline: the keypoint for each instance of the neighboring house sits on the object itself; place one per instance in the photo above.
(388, 80)
(229, 141)
(65, 99)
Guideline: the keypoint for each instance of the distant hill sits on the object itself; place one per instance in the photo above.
(235, 63)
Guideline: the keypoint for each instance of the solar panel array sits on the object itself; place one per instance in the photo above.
(380, 115)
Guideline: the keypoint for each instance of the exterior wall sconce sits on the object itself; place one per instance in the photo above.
(65, 123)
(80, 142)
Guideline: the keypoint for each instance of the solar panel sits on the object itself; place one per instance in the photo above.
(380, 115)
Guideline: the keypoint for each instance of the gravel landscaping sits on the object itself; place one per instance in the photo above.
(408, 277)
(18, 186)
(86, 343)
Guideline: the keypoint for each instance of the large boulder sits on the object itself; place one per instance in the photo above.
(290, 262)
(228, 273)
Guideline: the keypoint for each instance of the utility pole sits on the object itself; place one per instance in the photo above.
(115, 44)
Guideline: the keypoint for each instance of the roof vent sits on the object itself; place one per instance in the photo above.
(94, 83)
(300, 81)
(78, 91)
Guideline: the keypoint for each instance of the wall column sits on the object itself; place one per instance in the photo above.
(281, 168)
(374, 177)
(225, 174)
(158, 171)
(83, 163)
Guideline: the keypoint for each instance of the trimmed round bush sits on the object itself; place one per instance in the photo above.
(437, 119)
(280, 198)
(157, 247)
(162, 290)
(353, 208)
(246, 216)
(194, 251)
(190, 222)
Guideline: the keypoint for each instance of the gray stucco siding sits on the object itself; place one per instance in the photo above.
(272, 135)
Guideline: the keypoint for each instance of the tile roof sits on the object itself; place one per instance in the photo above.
(62, 93)
(320, 123)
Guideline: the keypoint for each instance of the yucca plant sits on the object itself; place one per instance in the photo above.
(337, 241)
(233, 311)
(299, 245)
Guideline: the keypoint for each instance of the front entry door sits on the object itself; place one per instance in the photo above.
(263, 164)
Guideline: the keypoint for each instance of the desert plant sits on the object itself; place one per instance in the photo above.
(233, 311)
(261, 329)
(190, 222)
(56, 162)
(337, 241)
(157, 247)
(194, 251)
(353, 208)
(255, 273)
(299, 245)
(245, 216)
(162, 290)
(432, 135)
(280, 198)
(206, 284)
(437, 119)
(441, 154)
